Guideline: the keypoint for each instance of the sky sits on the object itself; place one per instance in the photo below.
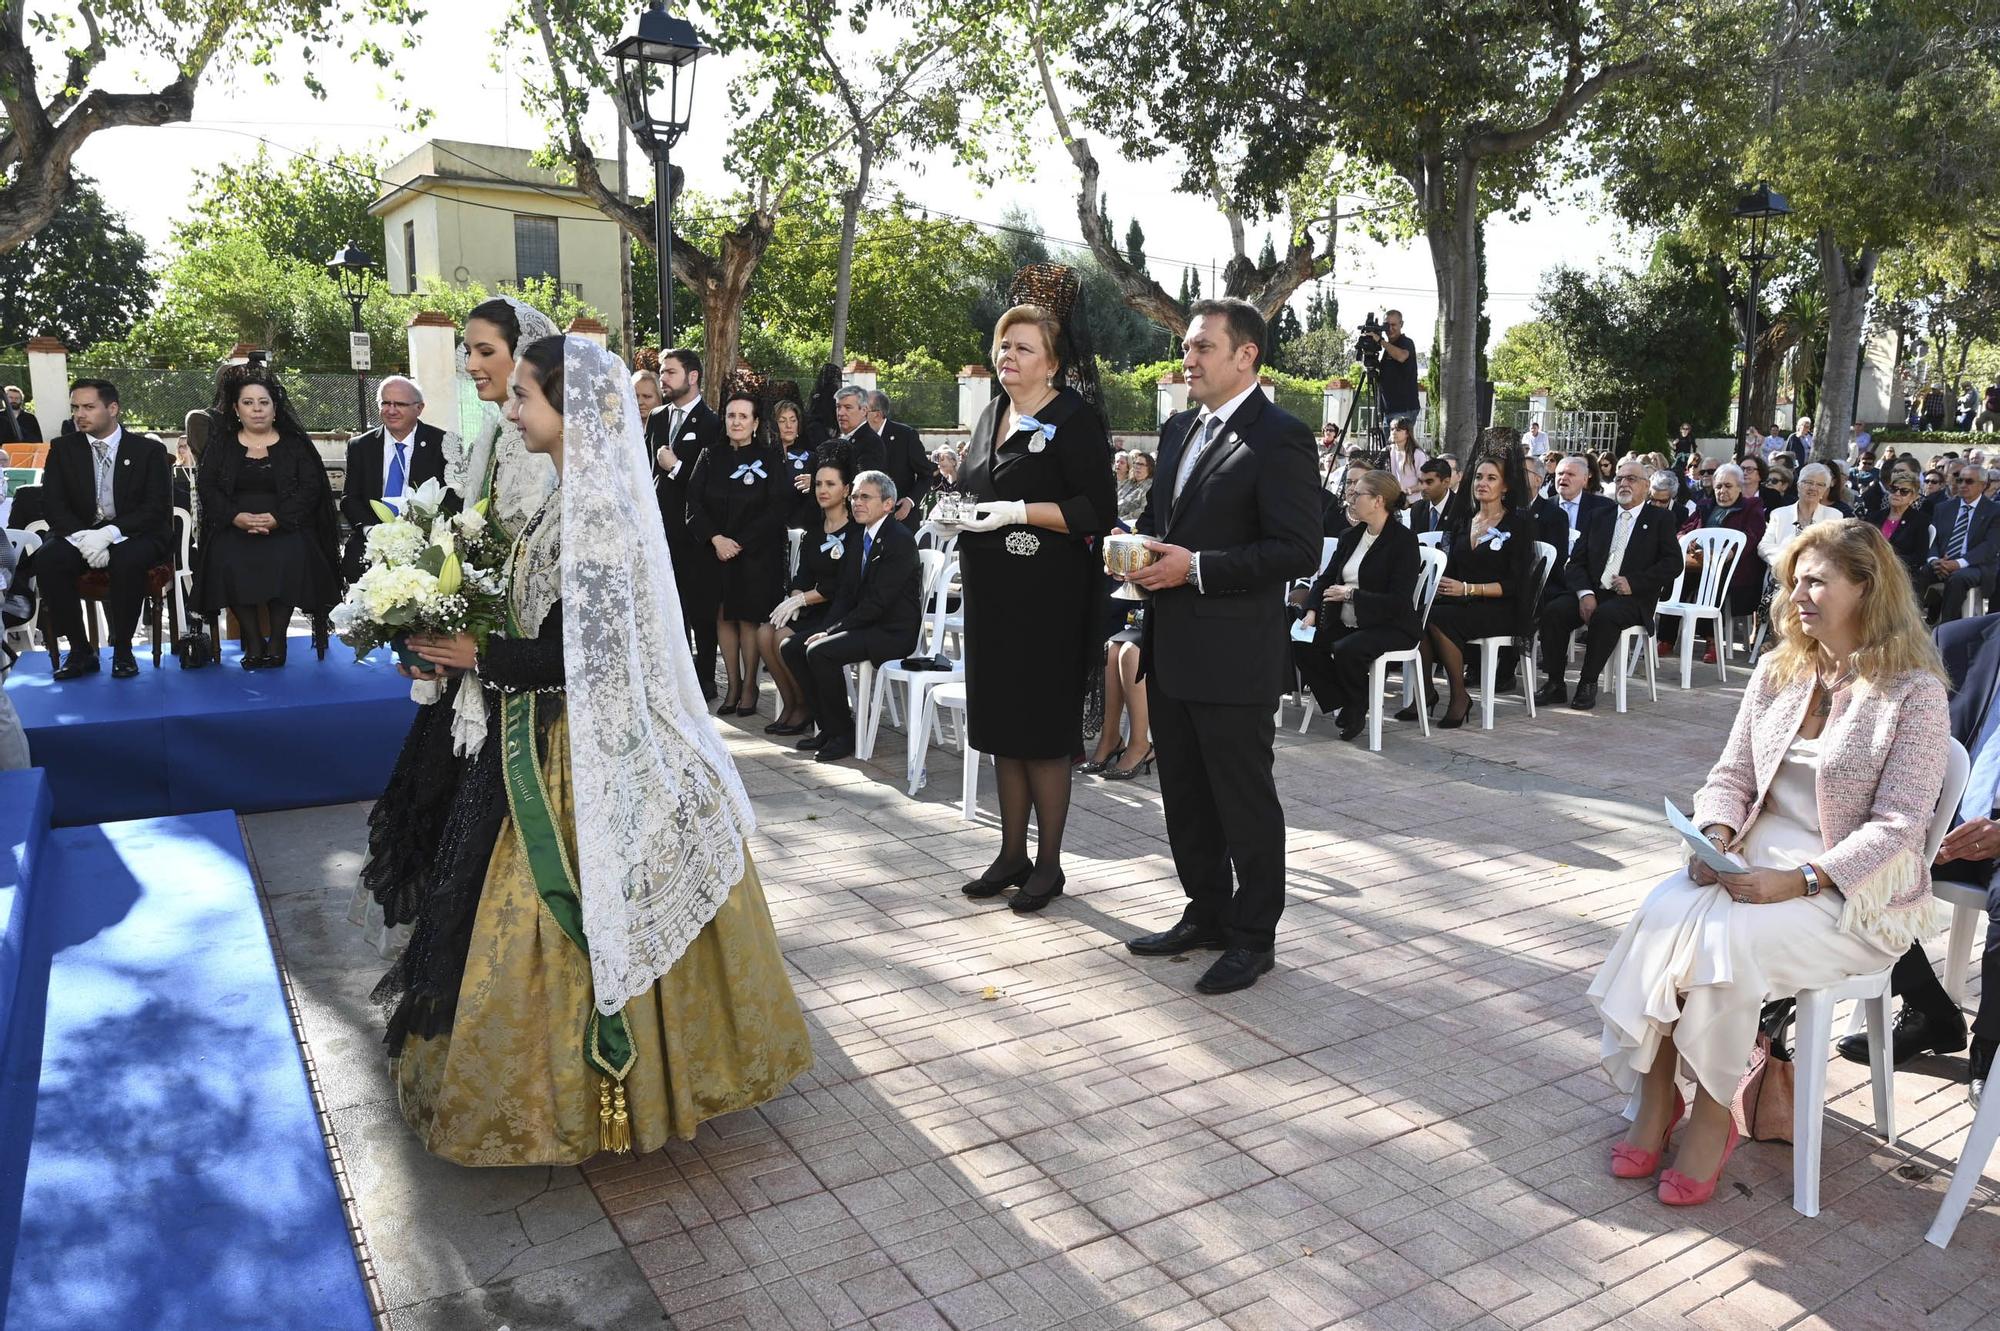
(148, 173)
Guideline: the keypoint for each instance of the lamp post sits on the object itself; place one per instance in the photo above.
(1757, 210)
(349, 269)
(651, 61)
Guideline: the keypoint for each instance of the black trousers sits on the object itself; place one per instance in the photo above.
(1914, 980)
(818, 670)
(1955, 585)
(1563, 615)
(701, 600)
(1335, 664)
(58, 564)
(1222, 811)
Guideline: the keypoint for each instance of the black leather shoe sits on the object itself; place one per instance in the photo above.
(810, 742)
(1186, 936)
(78, 664)
(1353, 720)
(1027, 903)
(124, 666)
(833, 750)
(1915, 1032)
(1978, 1073)
(779, 728)
(1552, 694)
(983, 886)
(1238, 968)
(1586, 697)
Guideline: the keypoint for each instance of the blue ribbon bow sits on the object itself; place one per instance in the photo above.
(1495, 537)
(744, 472)
(1029, 423)
(799, 460)
(832, 543)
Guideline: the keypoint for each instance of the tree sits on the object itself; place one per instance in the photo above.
(1529, 356)
(1135, 245)
(54, 68)
(82, 278)
(1322, 308)
(305, 208)
(1467, 112)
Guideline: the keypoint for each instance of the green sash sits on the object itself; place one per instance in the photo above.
(607, 1044)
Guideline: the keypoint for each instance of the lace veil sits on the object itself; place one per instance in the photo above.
(661, 815)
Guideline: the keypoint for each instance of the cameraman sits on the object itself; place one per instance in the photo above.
(1399, 369)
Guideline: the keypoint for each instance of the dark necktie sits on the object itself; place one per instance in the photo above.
(1960, 531)
(397, 477)
(867, 545)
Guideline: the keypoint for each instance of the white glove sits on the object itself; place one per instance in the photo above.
(97, 554)
(997, 514)
(788, 609)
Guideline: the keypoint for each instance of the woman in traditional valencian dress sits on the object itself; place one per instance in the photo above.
(614, 980)
(487, 461)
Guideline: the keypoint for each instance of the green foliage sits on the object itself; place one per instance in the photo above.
(1959, 439)
(1529, 357)
(82, 278)
(305, 208)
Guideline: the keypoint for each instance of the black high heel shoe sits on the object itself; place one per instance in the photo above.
(728, 707)
(1026, 903)
(1450, 722)
(993, 887)
(1142, 768)
(1097, 765)
(1430, 701)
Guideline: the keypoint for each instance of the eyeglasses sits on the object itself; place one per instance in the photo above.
(1904, 490)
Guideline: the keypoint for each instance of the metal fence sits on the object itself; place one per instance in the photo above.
(155, 399)
(928, 404)
(1568, 431)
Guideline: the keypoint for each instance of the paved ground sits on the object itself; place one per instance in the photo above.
(1014, 1124)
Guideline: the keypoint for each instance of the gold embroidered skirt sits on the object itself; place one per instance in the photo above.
(508, 1085)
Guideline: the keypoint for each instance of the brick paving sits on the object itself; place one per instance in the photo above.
(1014, 1124)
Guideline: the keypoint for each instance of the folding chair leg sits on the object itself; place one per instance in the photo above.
(1815, 1032)
(1958, 951)
(1882, 1071)
(968, 806)
(1378, 680)
(1489, 671)
(1971, 1164)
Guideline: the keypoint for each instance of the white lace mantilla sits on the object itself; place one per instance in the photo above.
(661, 815)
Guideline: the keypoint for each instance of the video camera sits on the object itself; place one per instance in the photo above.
(1368, 343)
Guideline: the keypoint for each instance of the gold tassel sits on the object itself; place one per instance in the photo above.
(617, 1138)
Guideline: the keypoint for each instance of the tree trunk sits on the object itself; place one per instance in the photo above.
(1451, 226)
(1846, 285)
(850, 221)
(722, 292)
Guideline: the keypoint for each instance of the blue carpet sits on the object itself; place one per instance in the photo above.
(24, 827)
(178, 741)
(174, 1174)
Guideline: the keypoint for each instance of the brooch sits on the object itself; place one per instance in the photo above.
(1045, 432)
(1023, 543)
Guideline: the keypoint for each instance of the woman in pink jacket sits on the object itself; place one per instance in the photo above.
(1826, 789)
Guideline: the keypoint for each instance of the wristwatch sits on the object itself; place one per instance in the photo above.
(1812, 879)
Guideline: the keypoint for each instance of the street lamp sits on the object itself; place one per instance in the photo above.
(349, 269)
(672, 44)
(1758, 209)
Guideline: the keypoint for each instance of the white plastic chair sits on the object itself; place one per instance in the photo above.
(1720, 549)
(951, 698)
(917, 685)
(1410, 658)
(1489, 648)
(21, 637)
(1968, 908)
(796, 537)
(1815, 1015)
(1432, 540)
(930, 536)
(931, 564)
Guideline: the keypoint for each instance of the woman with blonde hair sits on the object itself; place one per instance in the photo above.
(1826, 788)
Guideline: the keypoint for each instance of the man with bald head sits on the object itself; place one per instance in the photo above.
(387, 463)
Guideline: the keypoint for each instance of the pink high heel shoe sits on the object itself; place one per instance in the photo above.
(1677, 1189)
(1628, 1161)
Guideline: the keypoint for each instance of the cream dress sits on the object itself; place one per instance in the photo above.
(1694, 961)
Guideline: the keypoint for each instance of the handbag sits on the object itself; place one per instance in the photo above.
(196, 647)
(1762, 1105)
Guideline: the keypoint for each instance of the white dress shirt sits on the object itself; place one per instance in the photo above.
(1350, 577)
(1621, 536)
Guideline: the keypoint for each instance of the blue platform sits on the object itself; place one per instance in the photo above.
(179, 741)
(161, 1165)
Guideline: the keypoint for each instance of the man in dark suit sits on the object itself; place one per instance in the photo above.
(909, 466)
(1621, 566)
(1439, 505)
(875, 617)
(1929, 1021)
(17, 424)
(1964, 543)
(1551, 523)
(680, 432)
(850, 412)
(1236, 511)
(387, 463)
(108, 495)
(1576, 494)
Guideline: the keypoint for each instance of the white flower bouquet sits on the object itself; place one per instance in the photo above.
(428, 571)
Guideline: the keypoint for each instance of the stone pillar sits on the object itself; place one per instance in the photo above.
(434, 365)
(585, 326)
(1270, 387)
(975, 389)
(48, 383)
(240, 353)
(1172, 395)
(1336, 402)
(860, 374)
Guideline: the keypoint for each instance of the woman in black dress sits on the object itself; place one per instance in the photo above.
(1039, 470)
(269, 536)
(1490, 562)
(737, 504)
(831, 544)
(1363, 603)
(802, 504)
